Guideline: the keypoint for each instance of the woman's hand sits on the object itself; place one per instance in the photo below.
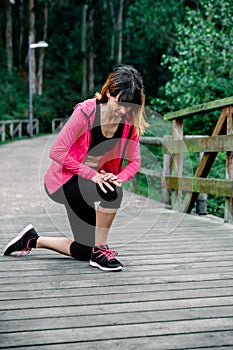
(111, 178)
(108, 176)
(99, 180)
(102, 178)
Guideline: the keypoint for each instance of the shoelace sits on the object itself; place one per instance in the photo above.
(26, 250)
(109, 253)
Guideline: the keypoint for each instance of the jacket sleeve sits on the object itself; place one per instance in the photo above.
(70, 147)
(133, 158)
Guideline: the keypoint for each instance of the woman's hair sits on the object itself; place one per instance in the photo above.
(126, 82)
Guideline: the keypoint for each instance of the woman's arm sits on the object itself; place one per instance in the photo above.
(133, 158)
(71, 146)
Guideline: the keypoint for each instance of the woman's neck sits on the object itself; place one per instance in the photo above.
(106, 115)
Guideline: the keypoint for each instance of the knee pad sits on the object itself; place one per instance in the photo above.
(111, 199)
(80, 251)
(110, 195)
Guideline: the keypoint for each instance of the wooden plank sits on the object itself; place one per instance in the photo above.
(61, 302)
(77, 320)
(200, 109)
(199, 144)
(175, 290)
(150, 172)
(37, 312)
(70, 300)
(115, 331)
(166, 198)
(3, 132)
(8, 128)
(197, 184)
(215, 340)
(148, 140)
(228, 210)
(206, 162)
(75, 290)
(177, 164)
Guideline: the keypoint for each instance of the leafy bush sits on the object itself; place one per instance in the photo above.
(13, 96)
(202, 70)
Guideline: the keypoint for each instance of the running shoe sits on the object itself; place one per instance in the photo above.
(24, 242)
(105, 259)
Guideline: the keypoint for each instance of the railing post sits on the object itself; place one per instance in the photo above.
(177, 163)
(53, 126)
(36, 126)
(3, 132)
(11, 129)
(228, 213)
(166, 199)
(20, 130)
(201, 205)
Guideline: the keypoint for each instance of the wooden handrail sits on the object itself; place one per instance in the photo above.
(214, 143)
(150, 140)
(57, 124)
(221, 140)
(200, 109)
(14, 127)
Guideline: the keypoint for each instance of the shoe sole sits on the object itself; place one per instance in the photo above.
(94, 264)
(20, 235)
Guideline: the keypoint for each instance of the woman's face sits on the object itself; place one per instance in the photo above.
(118, 109)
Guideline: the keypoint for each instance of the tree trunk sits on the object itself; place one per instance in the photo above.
(84, 53)
(39, 80)
(32, 36)
(113, 33)
(21, 29)
(120, 31)
(91, 52)
(9, 46)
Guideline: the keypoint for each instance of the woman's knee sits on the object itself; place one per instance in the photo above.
(112, 199)
(80, 251)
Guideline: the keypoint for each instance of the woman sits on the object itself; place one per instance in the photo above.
(88, 167)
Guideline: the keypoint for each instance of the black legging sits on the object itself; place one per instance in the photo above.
(79, 196)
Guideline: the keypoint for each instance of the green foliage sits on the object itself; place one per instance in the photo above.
(158, 127)
(218, 171)
(152, 158)
(183, 49)
(13, 96)
(48, 106)
(150, 29)
(202, 70)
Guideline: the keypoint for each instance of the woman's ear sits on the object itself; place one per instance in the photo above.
(108, 94)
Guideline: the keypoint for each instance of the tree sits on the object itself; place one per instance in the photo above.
(203, 67)
(39, 77)
(91, 53)
(78, 60)
(113, 33)
(84, 50)
(32, 40)
(9, 46)
(120, 31)
(150, 26)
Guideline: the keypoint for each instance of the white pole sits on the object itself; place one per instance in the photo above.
(30, 111)
(30, 89)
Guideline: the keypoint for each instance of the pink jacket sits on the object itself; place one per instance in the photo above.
(71, 146)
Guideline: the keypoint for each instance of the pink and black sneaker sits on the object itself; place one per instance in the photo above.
(24, 242)
(104, 258)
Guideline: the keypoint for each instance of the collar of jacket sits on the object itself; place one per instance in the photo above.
(88, 108)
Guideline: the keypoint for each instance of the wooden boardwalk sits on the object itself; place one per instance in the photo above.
(175, 292)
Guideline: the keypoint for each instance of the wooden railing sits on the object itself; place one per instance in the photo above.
(57, 124)
(17, 128)
(221, 140)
